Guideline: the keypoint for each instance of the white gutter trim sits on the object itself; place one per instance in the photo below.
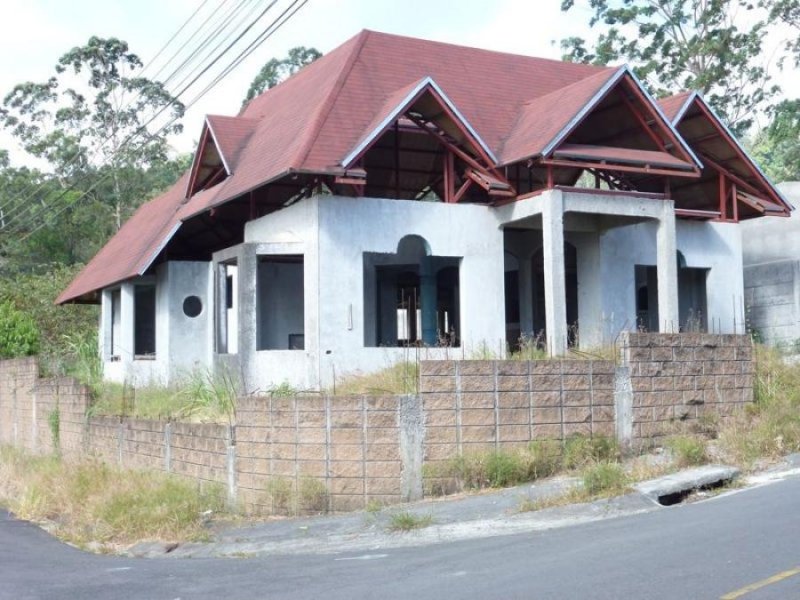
(160, 247)
(742, 150)
(400, 108)
(567, 129)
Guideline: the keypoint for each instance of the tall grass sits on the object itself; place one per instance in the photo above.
(397, 379)
(91, 501)
(770, 428)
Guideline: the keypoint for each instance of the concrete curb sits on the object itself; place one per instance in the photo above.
(686, 481)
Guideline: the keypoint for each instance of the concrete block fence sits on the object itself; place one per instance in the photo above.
(316, 453)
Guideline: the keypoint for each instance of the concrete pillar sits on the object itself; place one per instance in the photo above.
(247, 319)
(555, 294)
(427, 288)
(667, 267)
(525, 297)
(126, 323)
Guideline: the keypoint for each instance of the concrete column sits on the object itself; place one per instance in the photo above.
(247, 310)
(555, 294)
(104, 333)
(126, 323)
(427, 288)
(667, 267)
(525, 297)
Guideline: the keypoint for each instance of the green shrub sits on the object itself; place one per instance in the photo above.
(605, 479)
(581, 450)
(19, 335)
(407, 521)
(687, 450)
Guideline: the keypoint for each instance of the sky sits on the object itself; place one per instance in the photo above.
(36, 32)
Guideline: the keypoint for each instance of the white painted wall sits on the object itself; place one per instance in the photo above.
(713, 246)
(182, 343)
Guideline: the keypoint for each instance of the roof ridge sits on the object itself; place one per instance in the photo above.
(327, 106)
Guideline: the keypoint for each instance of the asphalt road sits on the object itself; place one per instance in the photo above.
(703, 550)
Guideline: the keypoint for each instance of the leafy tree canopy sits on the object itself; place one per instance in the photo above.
(787, 11)
(676, 45)
(275, 71)
(92, 115)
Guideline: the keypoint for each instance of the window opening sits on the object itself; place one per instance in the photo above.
(280, 303)
(144, 321)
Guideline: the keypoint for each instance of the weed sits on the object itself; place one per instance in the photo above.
(85, 364)
(374, 506)
(687, 450)
(54, 423)
(408, 521)
(283, 390)
(91, 501)
(604, 479)
(397, 379)
(313, 495)
(581, 451)
(770, 428)
(281, 492)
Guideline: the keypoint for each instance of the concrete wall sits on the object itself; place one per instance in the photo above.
(772, 275)
(707, 245)
(688, 378)
(182, 343)
(320, 453)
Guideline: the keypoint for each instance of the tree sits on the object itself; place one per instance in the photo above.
(91, 119)
(275, 71)
(777, 147)
(676, 45)
(787, 11)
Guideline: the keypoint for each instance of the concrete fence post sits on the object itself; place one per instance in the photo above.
(120, 441)
(231, 465)
(623, 405)
(34, 422)
(412, 436)
(168, 447)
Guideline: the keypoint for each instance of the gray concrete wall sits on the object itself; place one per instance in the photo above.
(772, 274)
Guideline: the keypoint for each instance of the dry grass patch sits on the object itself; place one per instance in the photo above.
(408, 521)
(92, 502)
(770, 428)
(397, 379)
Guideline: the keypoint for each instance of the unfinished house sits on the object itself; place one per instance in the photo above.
(400, 194)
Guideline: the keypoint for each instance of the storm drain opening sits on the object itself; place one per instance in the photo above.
(681, 496)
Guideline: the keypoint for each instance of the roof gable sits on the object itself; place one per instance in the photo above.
(707, 133)
(413, 98)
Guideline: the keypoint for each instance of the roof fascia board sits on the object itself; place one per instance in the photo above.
(159, 248)
(402, 106)
(663, 117)
(575, 121)
(741, 149)
(451, 105)
(685, 107)
(196, 160)
(219, 148)
(393, 115)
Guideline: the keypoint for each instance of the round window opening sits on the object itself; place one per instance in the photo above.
(192, 306)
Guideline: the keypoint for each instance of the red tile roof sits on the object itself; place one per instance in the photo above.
(310, 122)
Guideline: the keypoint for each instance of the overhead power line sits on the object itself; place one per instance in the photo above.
(270, 30)
(24, 209)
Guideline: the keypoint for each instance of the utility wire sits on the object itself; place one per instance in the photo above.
(23, 208)
(271, 29)
(21, 205)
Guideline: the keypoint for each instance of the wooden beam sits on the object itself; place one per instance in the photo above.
(736, 179)
(622, 168)
(658, 141)
(697, 214)
(723, 197)
(449, 178)
(462, 190)
(735, 203)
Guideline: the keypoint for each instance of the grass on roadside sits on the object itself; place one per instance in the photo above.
(599, 480)
(93, 502)
(408, 521)
(769, 428)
